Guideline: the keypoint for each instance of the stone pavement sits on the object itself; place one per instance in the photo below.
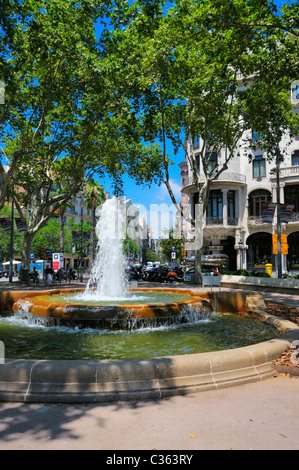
(258, 416)
(261, 415)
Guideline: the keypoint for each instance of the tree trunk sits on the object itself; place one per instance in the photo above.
(25, 260)
(198, 241)
(93, 233)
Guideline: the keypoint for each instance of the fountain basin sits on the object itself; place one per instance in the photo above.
(137, 379)
(65, 307)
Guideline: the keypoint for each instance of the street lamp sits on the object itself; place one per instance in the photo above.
(278, 215)
(11, 234)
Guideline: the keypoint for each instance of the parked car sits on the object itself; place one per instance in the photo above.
(189, 275)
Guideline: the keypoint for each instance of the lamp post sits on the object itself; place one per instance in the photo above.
(11, 235)
(81, 268)
(278, 214)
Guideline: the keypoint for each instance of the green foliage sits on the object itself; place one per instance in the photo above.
(152, 256)
(130, 247)
(168, 243)
(79, 247)
(49, 237)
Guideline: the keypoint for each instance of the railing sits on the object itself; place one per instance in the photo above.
(294, 217)
(289, 171)
(219, 221)
(225, 176)
(232, 176)
(214, 220)
(256, 220)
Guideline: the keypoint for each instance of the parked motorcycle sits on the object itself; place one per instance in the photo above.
(164, 274)
(134, 273)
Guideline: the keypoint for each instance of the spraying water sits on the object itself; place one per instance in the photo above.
(108, 279)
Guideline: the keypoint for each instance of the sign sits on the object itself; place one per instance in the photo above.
(284, 244)
(173, 255)
(39, 267)
(48, 251)
(31, 255)
(57, 260)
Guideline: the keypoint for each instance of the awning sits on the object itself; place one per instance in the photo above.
(8, 262)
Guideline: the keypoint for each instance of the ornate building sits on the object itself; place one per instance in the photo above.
(236, 222)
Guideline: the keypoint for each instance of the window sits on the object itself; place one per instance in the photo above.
(295, 158)
(212, 162)
(231, 207)
(256, 200)
(196, 142)
(259, 167)
(215, 207)
(291, 196)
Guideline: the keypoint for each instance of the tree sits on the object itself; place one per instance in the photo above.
(58, 128)
(130, 247)
(170, 245)
(185, 70)
(49, 236)
(94, 195)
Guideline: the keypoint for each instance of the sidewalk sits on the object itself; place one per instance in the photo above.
(260, 415)
(257, 416)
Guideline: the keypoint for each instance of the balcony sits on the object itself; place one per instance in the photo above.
(257, 220)
(295, 217)
(288, 172)
(232, 176)
(227, 176)
(220, 220)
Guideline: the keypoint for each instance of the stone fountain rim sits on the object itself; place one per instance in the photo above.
(81, 381)
(58, 309)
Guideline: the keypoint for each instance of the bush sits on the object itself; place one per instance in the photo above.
(244, 272)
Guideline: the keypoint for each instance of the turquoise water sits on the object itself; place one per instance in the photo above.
(24, 339)
(133, 298)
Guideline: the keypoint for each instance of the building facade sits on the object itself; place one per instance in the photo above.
(241, 215)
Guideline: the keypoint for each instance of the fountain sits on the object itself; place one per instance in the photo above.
(108, 302)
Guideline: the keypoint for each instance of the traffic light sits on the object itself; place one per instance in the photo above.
(43, 253)
(185, 253)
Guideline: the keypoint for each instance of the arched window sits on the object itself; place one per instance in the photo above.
(256, 200)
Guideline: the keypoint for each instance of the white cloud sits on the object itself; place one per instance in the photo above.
(163, 195)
